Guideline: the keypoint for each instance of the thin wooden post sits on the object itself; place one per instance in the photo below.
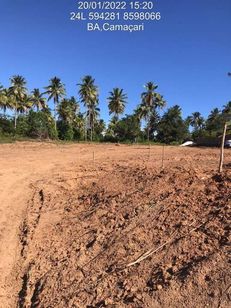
(222, 149)
(162, 160)
(149, 154)
(93, 158)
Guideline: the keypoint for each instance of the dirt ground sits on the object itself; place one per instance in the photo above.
(92, 226)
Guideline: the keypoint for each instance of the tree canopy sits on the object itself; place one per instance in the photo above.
(27, 113)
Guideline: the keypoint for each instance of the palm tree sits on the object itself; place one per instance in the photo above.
(38, 100)
(67, 110)
(80, 124)
(21, 107)
(75, 105)
(18, 92)
(196, 120)
(4, 101)
(111, 126)
(214, 121)
(150, 101)
(142, 112)
(55, 90)
(116, 102)
(89, 97)
(100, 128)
(26, 105)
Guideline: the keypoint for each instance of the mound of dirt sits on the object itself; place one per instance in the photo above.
(128, 235)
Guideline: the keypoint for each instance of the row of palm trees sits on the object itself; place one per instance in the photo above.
(214, 120)
(17, 98)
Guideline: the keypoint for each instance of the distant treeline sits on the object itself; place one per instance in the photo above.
(26, 114)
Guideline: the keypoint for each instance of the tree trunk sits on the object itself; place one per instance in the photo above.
(91, 124)
(148, 127)
(55, 114)
(222, 149)
(15, 116)
(93, 127)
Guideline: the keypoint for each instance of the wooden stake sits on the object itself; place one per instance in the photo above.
(162, 162)
(222, 149)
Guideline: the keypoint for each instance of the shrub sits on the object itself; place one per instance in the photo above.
(41, 125)
(6, 125)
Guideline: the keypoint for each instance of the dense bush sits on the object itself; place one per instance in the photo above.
(6, 125)
(65, 131)
(40, 125)
(23, 127)
(172, 128)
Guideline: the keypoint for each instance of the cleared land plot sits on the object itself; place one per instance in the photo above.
(105, 226)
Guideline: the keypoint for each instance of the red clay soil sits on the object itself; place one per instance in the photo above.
(125, 233)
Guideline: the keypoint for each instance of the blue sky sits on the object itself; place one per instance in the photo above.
(187, 53)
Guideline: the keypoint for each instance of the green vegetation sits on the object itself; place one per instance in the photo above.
(116, 102)
(89, 96)
(26, 114)
(150, 101)
(172, 128)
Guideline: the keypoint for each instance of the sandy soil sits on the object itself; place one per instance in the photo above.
(113, 229)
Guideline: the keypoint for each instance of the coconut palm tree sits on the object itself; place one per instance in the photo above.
(1, 96)
(4, 100)
(142, 112)
(67, 109)
(56, 91)
(26, 104)
(196, 121)
(150, 101)
(88, 93)
(75, 105)
(21, 107)
(214, 121)
(38, 100)
(17, 93)
(116, 102)
(80, 125)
